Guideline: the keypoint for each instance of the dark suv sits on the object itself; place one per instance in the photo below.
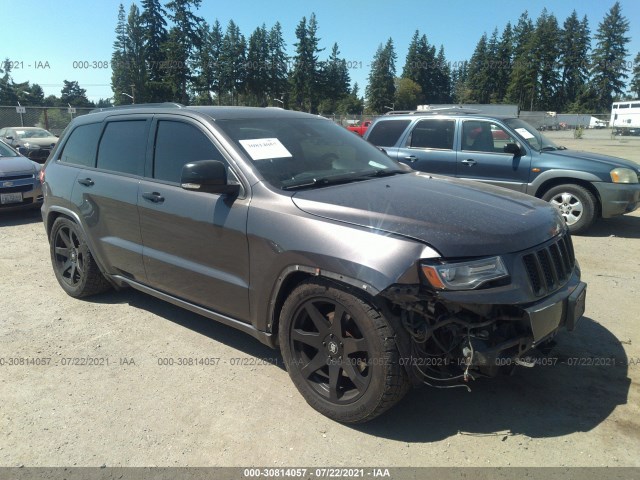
(294, 230)
(508, 152)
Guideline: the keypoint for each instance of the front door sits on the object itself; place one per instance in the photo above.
(482, 156)
(195, 243)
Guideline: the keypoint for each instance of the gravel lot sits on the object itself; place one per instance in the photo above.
(126, 407)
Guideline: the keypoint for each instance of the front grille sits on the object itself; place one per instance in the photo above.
(4, 178)
(550, 267)
(17, 188)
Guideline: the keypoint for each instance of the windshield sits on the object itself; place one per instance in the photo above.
(303, 153)
(531, 136)
(6, 151)
(33, 133)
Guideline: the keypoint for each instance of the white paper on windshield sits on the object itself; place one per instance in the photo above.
(376, 164)
(263, 148)
(525, 133)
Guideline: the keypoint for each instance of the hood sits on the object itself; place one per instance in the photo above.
(16, 165)
(596, 158)
(458, 218)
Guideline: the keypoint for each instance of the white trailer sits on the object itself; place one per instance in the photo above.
(625, 117)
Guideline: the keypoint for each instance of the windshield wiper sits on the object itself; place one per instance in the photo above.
(549, 148)
(383, 173)
(323, 181)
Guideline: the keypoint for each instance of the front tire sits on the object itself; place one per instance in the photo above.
(74, 266)
(340, 353)
(576, 204)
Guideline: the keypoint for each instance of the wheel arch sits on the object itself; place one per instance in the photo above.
(294, 275)
(554, 182)
(56, 212)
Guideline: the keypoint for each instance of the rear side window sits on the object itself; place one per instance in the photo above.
(433, 134)
(123, 145)
(81, 147)
(387, 133)
(179, 143)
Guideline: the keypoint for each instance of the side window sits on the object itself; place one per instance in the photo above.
(177, 144)
(433, 134)
(81, 147)
(387, 133)
(480, 136)
(123, 145)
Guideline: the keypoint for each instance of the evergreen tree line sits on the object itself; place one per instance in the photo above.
(168, 53)
(544, 66)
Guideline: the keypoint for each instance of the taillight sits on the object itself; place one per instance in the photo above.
(41, 176)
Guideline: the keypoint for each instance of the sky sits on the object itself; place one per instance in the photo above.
(74, 33)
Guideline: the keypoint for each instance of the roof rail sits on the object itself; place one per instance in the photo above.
(435, 111)
(139, 105)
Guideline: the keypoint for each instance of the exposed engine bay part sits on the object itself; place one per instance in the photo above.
(446, 345)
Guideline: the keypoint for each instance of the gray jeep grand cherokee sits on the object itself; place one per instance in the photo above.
(510, 153)
(369, 278)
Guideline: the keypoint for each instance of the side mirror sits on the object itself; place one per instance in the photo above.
(10, 137)
(512, 148)
(208, 176)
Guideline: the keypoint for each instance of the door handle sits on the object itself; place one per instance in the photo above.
(411, 158)
(87, 182)
(154, 197)
(469, 162)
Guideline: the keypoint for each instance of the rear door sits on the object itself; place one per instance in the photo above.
(106, 195)
(482, 157)
(195, 243)
(429, 146)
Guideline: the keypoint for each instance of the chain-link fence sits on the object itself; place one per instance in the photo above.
(54, 119)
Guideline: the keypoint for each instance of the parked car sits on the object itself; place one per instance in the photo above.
(19, 180)
(32, 142)
(510, 153)
(369, 277)
(361, 128)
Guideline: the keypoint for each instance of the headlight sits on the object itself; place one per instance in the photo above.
(623, 175)
(465, 275)
(32, 146)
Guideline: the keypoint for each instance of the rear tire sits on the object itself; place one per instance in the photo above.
(340, 353)
(576, 204)
(74, 266)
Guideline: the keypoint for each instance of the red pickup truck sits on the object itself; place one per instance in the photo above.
(361, 128)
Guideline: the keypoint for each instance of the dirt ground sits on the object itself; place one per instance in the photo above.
(122, 405)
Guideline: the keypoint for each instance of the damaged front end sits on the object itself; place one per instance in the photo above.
(483, 317)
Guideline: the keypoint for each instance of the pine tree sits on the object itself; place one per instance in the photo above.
(422, 68)
(72, 94)
(204, 80)
(233, 51)
(279, 71)
(305, 75)
(478, 85)
(182, 39)
(574, 48)
(635, 80)
(381, 89)
(608, 58)
(352, 104)
(503, 64)
(442, 87)
(257, 67)
(546, 55)
(154, 25)
(121, 78)
(137, 55)
(335, 81)
(524, 71)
